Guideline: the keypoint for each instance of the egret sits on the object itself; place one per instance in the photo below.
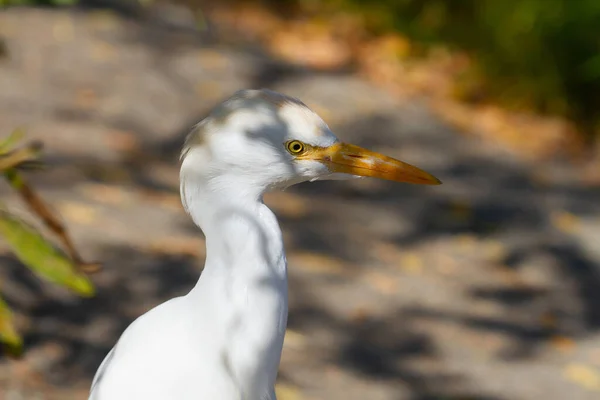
(223, 340)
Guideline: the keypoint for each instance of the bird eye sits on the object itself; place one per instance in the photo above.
(295, 147)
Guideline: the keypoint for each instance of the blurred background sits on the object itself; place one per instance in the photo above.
(484, 288)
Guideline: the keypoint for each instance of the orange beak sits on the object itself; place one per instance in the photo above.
(355, 160)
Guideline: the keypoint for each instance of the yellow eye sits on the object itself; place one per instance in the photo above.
(295, 147)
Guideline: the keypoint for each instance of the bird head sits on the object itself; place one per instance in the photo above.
(265, 140)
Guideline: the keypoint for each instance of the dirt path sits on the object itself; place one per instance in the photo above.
(487, 287)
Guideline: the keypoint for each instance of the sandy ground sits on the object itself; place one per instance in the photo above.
(485, 288)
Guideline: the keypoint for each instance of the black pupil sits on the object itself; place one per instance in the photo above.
(296, 147)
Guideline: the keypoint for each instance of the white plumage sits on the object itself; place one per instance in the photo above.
(223, 340)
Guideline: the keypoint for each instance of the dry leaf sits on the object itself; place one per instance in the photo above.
(583, 375)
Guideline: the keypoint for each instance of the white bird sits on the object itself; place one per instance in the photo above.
(223, 340)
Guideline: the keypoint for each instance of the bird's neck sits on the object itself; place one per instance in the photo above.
(242, 293)
(243, 238)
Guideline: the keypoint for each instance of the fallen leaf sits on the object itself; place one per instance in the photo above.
(583, 375)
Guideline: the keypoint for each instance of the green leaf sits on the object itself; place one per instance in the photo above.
(37, 253)
(8, 334)
(48, 217)
(20, 157)
(11, 141)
